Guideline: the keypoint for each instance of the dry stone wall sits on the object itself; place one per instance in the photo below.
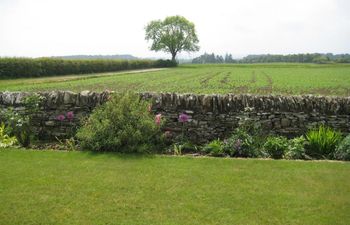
(211, 116)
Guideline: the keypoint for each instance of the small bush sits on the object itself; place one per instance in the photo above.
(123, 124)
(214, 148)
(276, 147)
(296, 149)
(242, 144)
(322, 142)
(342, 152)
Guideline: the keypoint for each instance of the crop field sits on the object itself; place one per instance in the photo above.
(287, 79)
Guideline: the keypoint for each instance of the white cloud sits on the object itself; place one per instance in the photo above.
(63, 27)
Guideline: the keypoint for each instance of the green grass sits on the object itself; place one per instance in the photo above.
(330, 79)
(47, 187)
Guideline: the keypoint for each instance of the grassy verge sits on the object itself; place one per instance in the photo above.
(46, 187)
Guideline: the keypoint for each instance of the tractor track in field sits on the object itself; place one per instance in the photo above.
(269, 87)
(225, 79)
(204, 82)
(253, 79)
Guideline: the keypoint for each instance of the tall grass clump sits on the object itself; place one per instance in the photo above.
(322, 142)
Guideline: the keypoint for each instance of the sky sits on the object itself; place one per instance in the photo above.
(35, 28)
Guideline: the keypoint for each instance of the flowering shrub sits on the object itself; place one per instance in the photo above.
(123, 124)
(241, 144)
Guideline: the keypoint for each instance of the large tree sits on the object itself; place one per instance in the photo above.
(174, 34)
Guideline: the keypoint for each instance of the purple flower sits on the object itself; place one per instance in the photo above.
(183, 118)
(70, 115)
(60, 117)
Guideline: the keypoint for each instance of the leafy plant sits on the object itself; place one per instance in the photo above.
(21, 123)
(214, 148)
(240, 144)
(296, 149)
(5, 139)
(123, 124)
(322, 142)
(342, 152)
(276, 147)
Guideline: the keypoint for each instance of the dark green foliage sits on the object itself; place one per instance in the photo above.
(123, 124)
(296, 149)
(28, 67)
(276, 147)
(342, 152)
(214, 148)
(165, 63)
(241, 144)
(322, 142)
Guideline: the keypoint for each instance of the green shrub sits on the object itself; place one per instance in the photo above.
(123, 124)
(5, 139)
(276, 147)
(342, 152)
(322, 142)
(296, 149)
(214, 148)
(242, 144)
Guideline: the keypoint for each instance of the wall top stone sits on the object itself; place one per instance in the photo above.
(214, 103)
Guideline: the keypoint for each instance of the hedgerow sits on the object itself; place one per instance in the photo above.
(38, 67)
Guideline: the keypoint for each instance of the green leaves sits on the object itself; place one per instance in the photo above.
(322, 142)
(173, 35)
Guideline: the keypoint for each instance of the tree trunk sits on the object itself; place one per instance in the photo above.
(173, 55)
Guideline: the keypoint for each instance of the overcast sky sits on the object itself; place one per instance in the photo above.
(69, 27)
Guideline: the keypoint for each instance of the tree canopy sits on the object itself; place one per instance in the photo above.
(174, 34)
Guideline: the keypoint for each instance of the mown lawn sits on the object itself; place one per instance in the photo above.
(51, 187)
(283, 78)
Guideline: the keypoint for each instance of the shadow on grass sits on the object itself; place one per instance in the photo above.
(125, 156)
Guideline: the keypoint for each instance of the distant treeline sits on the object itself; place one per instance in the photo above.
(269, 58)
(38, 67)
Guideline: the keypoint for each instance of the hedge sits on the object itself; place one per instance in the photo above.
(39, 67)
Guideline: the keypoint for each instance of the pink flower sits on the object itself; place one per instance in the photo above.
(183, 118)
(70, 115)
(60, 117)
(158, 119)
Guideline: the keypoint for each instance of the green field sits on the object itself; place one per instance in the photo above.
(52, 187)
(288, 79)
